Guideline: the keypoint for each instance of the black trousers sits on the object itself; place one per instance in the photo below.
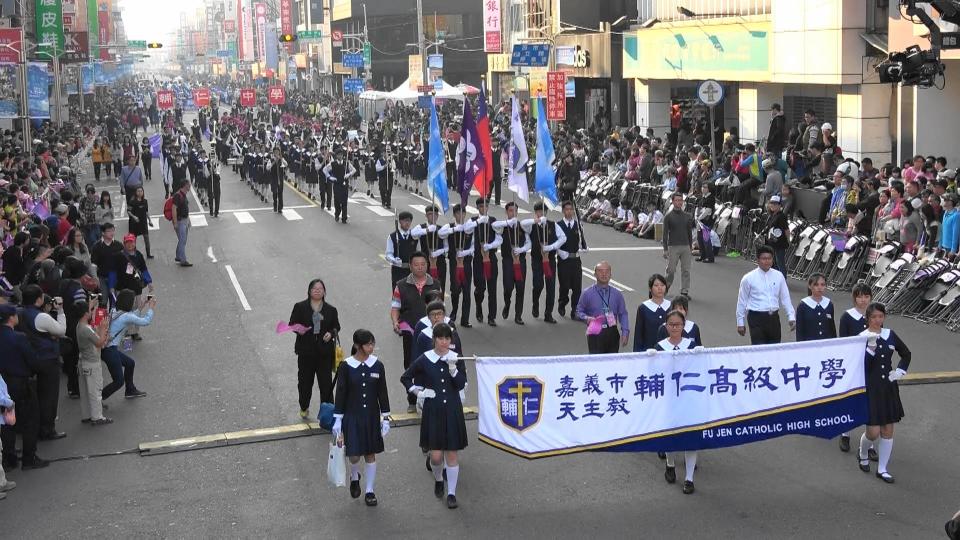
(460, 291)
(22, 393)
(71, 359)
(315, 366)
(386, 189)
(326, 194)
(147, 160)
(483, 286)
(570, 278)
(215, 201)
(607, 341)
(541, 282)
(511, 285)
(764, 327)
(496, 186)
(48, 397)
(407, 339)
(340, 202)
(277, 198)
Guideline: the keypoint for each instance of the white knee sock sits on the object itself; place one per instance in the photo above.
(453, 473)
(690, 464)
(354, 471)
(670, 462)
(865, 444)
(437, 470)
(884, 449)
(371, 470)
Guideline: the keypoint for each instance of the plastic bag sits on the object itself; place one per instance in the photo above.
(336, 466)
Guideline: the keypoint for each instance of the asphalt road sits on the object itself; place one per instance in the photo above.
(211, 366)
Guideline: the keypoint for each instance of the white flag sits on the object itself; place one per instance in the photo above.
(517, 180)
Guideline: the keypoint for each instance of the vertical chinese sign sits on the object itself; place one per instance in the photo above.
(49, 19)
(103, 17)
(260, 18)
(286, 21)
(10, 40)
(492, 42)
(556, 95)
(164, 99)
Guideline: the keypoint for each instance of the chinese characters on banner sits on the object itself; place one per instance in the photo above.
(260, 17)
(491, 26)
(103, 16)
(164, 99)
(248, 97)
(671, 401)
(276, 95)
(49, 26)
(10, 40)
(201, 97)
(556, 95)
(38, 90)
(286, 21)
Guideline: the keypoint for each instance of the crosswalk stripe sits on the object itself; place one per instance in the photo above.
(380, 211)
(291, 214)
(422, 208)
(244, 217)
(198, 220)
(153, 224)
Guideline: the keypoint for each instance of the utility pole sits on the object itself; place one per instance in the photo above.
(421, 43)
(24, 101)
(368, 67)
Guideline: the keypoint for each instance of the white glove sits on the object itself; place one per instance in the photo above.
(483, 219)
(458, 228)
(452, 364)
(336, 429)
(426, 393)
(518, 251)
(548, 249)
(543, 220)
(896, 375)
(431, 228)
(698, 348)
(512, 221)
(651, 352)
(872, 340)
(563, 254)
(438, 252)
(384, 428)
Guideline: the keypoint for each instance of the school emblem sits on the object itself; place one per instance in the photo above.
(521, 401)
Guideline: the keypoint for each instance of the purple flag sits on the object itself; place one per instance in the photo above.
(470, 161)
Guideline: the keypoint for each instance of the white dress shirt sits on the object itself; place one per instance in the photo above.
(763, 291)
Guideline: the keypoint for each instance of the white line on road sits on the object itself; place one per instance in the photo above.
(380, 211)
(589, 273)
(291, 214)
(626, 248)
(422, 208)
(210, 254)
(198, 220)
(236, 285)
(244, 217)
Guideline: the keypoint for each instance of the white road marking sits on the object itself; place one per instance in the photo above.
(626, 248)
(589, 273)
(198, 220)
(153, 224)
(236, 285)
(244, 217)
(210, 254)
(380, 211)
(329, 211)
(194, 191)
(422, 208)
(291, 214)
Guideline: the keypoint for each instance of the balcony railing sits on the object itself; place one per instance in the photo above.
(671, 10)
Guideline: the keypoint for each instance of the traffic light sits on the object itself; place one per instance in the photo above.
(288, 38)
(154, 45)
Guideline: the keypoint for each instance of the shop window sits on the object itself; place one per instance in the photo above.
(793, 107)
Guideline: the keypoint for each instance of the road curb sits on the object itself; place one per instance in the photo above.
(931, 377)
(247, 436)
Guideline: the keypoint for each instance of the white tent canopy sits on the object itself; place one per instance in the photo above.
(404, 93)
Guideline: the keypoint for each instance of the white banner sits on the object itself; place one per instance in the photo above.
(671, 401)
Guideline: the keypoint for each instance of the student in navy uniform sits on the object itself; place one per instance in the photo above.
(460, 241)
(675, 341)
(423, 340)
(852, 323)
(400, 246)
(362, 411)
(884, 408)
(690, 328)
(486, 242)
(815, 312)
(432, 238)
(569, 269)
(516, 245)
(424, 322)
(547, 238)
(440, 376)
(651, 314)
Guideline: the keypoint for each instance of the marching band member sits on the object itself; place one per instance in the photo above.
(460, 240)
(513, 253)
(676, 342)
(815, 312)
(338, 172)
(401, 245)
(547, 238)
(362, 412)
(485, 263)
(440, 376)
(852, 323)
(883, 393)
(569, 268)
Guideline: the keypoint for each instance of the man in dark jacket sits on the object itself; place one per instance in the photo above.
(777, 136)
(776, 233)
(16, 367)
(569, 175)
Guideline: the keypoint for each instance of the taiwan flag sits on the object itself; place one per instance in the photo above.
(485, 179)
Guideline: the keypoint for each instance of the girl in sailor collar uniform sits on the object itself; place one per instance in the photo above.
(651, 314)
(440, 376)
(690, 328)
(362, 411)
(436, 314)
(675, 341)
(852, 323)
(815, 312)
(884, 408)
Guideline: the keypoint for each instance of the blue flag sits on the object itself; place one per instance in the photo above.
(470, 162)
(156, 144)
(545, 184)
(437, 163)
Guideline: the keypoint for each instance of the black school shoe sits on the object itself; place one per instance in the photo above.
(688, 487)
(438, 489)
(844, 443)
(670, 475)
(452, 502)
(355, 488)
(370, 499)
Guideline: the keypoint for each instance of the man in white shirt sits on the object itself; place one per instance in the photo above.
(763, 291)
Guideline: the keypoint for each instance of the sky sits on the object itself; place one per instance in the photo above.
(153, 20)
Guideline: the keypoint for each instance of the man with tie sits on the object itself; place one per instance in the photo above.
(516, 245)
(433, 244)
(486, 242)
(763, 291)
(460, 240)
(604, 310)
(400, 246)
(547, 237)
(569, 271)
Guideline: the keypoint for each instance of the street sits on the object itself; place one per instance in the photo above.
(212, 363)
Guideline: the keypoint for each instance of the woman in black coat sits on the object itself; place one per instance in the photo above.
(316, 346)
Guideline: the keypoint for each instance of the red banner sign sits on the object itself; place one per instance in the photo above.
(10, 39)
(201, 97)
(276, 95)
(248, 97)
(556, 95)
(164, 99)
(286, 21)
